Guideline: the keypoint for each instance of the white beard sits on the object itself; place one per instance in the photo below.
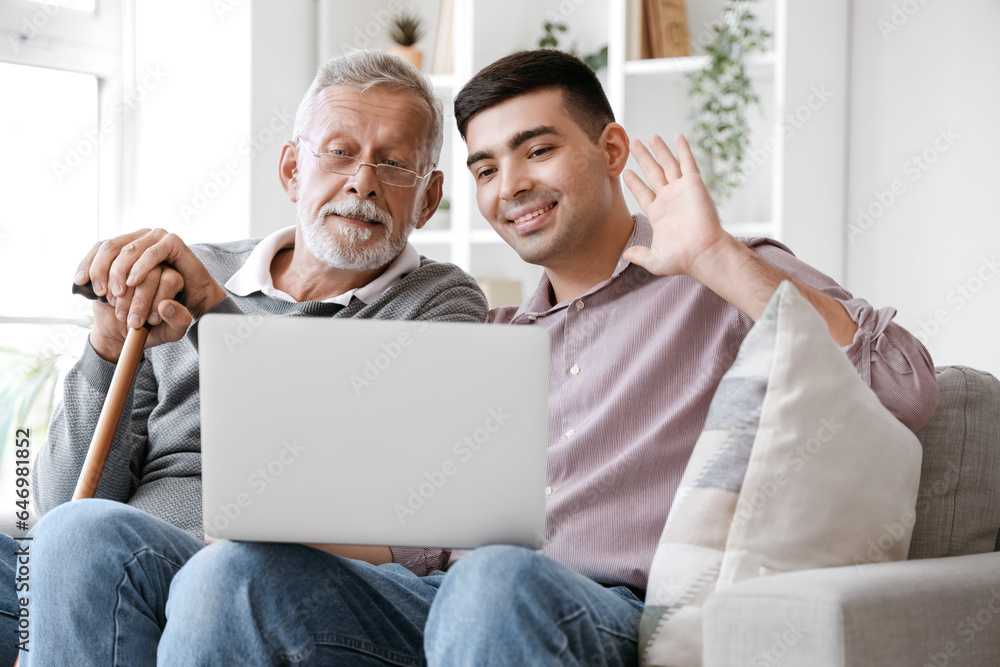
(352, 248)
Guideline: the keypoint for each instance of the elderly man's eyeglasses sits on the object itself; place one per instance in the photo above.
(348, 166)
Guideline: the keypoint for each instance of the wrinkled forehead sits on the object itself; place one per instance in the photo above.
(387, 115)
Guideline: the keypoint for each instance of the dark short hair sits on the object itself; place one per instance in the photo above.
(529, 71)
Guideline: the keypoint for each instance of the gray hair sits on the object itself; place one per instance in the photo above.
(370, 68)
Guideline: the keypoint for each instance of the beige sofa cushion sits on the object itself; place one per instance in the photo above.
(958, 506)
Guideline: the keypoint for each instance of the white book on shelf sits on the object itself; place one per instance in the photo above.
(443, 38)
(634, 30)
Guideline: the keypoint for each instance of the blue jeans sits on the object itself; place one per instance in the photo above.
(100, 573)
(8, 601)
(264, 604)
(113, 592)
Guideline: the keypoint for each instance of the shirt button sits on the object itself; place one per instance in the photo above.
(569, 433)
(575, 370)
(532, 318)
(548, 490)
(579, 305)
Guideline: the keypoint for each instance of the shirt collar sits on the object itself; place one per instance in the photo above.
(539, 302)
(255, 274)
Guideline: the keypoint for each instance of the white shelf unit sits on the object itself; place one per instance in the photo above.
(797, 192)
(758, 63)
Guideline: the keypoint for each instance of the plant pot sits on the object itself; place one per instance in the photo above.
(409, 54)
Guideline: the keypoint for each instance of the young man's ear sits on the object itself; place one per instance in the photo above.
(614, 140)
(288, 169)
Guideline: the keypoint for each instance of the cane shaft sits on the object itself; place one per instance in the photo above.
(111, 414)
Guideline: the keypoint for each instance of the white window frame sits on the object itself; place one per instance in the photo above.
(102, 44)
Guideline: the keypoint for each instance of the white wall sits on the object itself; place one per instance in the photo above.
(938, 72)
(283, 63)
(190, 174)
(209, 136)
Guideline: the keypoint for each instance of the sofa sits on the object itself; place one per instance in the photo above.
(939, 608)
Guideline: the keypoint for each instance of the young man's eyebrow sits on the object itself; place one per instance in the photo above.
(477, 156)
(527, 135)
(514, 142)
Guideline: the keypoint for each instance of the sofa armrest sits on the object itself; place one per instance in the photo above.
(935, 612)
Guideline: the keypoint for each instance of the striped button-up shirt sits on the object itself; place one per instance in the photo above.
(634, 365)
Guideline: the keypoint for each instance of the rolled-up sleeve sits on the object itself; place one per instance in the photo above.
(893, 363)
(889, 359)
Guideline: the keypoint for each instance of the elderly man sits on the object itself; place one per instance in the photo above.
(361, 172)
(645, 314)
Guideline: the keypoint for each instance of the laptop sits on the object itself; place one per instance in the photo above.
(373, 432)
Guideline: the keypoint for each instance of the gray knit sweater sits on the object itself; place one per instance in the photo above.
(155, 461)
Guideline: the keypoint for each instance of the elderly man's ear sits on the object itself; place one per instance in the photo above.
(288, 170)
(433, 194)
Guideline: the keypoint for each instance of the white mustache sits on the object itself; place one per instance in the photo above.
(359, 209)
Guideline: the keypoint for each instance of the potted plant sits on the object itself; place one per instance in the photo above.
(550, 40)
(722, 94)
(405, 30)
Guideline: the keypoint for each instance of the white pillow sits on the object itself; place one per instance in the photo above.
(831, 478)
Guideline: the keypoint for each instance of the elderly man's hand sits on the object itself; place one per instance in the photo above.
(141, 273)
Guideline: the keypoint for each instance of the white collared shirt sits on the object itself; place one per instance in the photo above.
(255, 274)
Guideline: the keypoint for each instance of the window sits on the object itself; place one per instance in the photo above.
(61, 64)
(61, 70)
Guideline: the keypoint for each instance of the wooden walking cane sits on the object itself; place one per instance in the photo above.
(114, 403)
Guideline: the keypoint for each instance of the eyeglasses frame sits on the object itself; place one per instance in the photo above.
(417, 176)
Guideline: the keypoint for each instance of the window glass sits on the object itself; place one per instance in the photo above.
(49, 212)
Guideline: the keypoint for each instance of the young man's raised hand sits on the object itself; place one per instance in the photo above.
(686, 226)
(688, 239)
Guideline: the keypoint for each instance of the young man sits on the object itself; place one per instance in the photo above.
(361, 172)
(645, 315)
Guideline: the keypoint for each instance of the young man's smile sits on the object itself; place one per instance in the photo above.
(525, 219)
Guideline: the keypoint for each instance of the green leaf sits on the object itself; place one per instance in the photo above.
(721, 94)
